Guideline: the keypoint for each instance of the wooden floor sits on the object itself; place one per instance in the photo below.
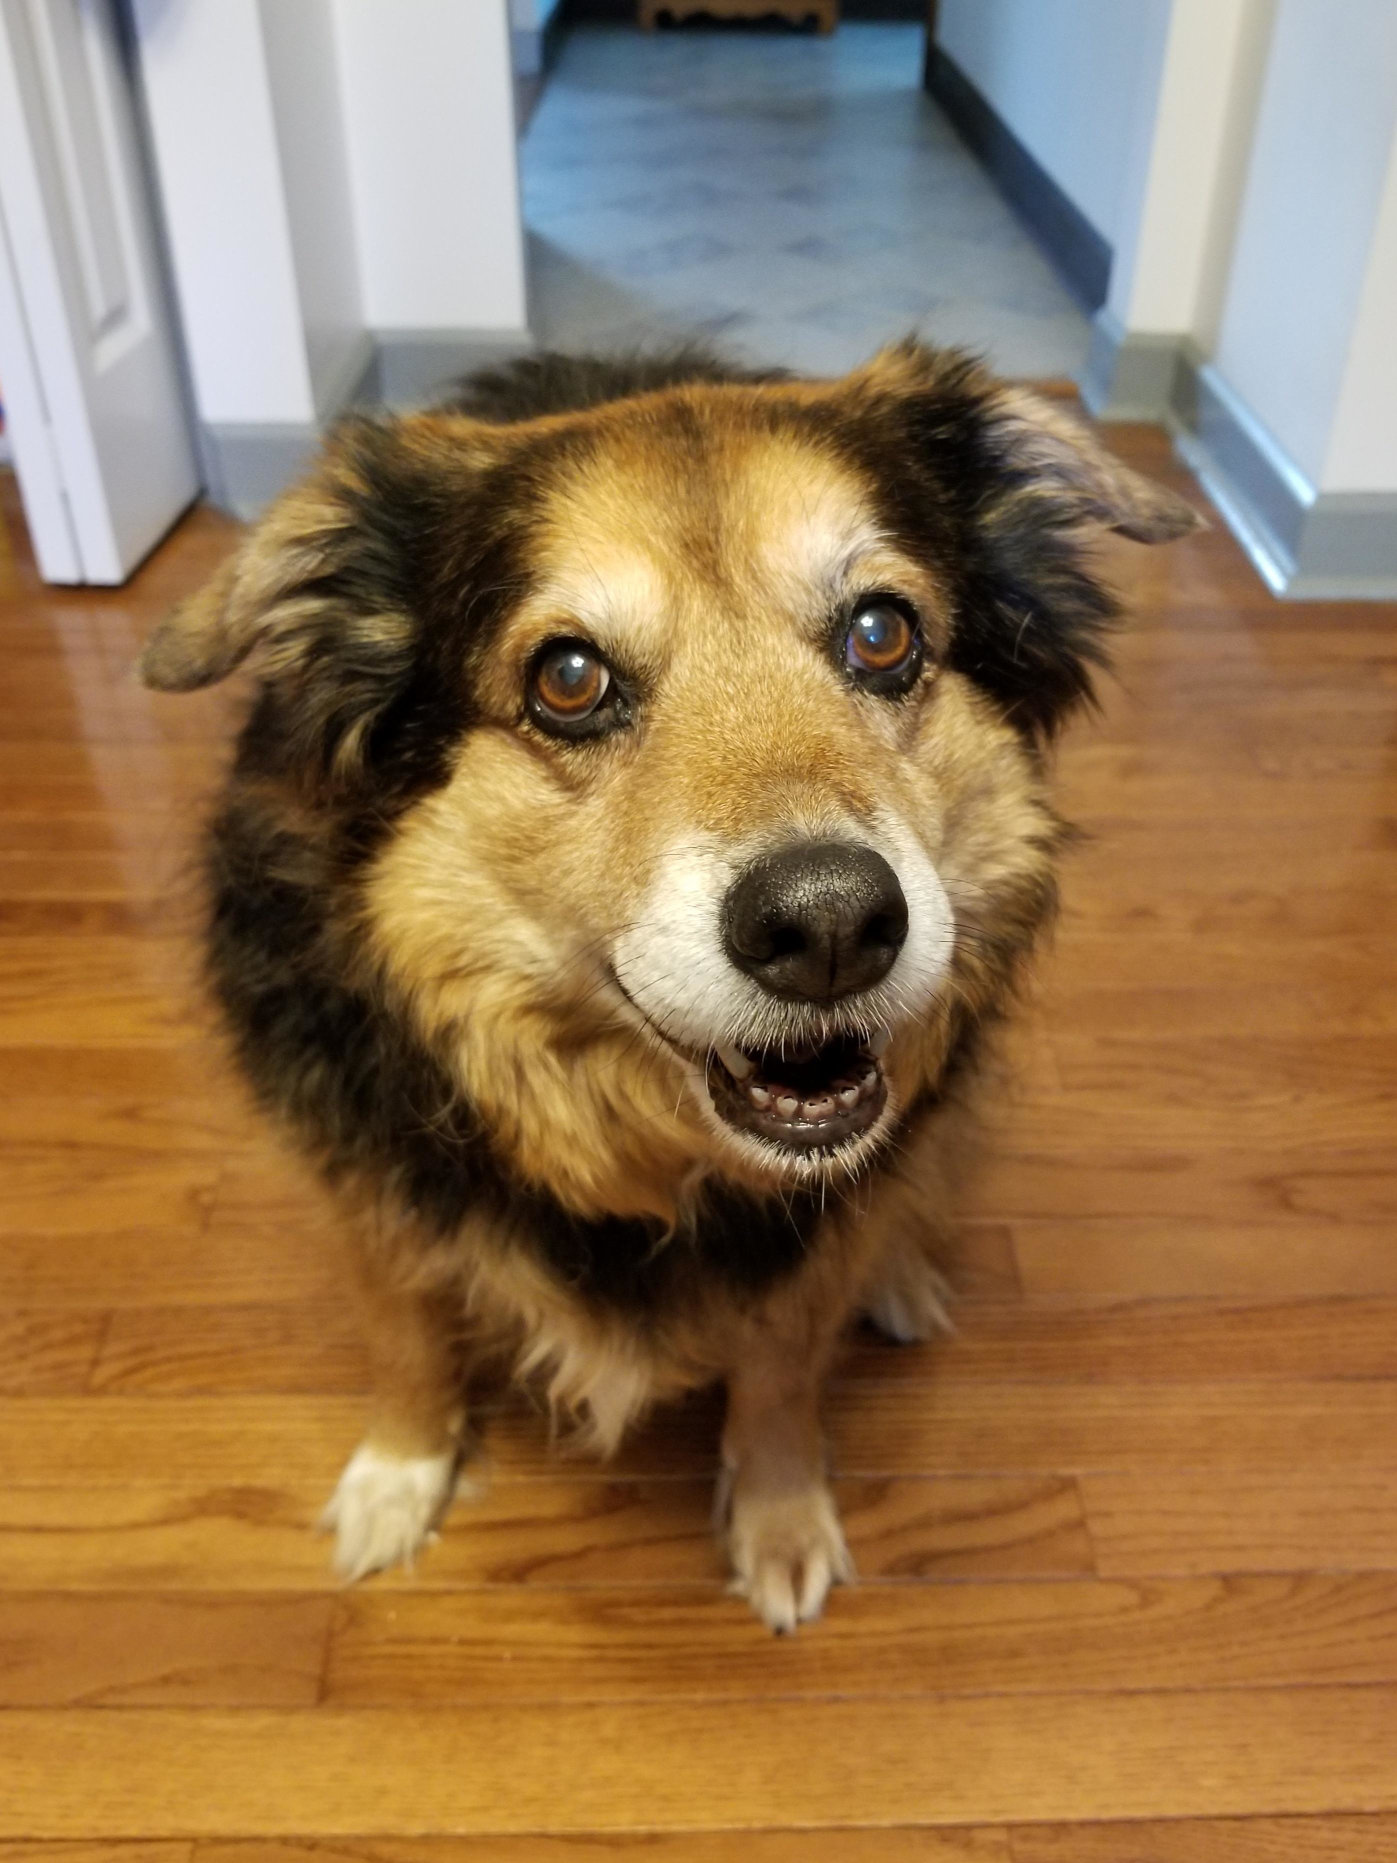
(1128, 1543)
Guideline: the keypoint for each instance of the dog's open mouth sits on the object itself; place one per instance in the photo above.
(802, 1100)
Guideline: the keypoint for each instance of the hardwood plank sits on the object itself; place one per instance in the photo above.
(1109, 1259)
(289, 1346)
(1227, 1184)
(1224, 1840)
(672, 1766)
(890, 1844)
(152, 1652)
(1307, 1516)
(1001, 1426)
(119, 1851)
(52, 1190)
(99, 1123)
(184, 1266)
(566, 1529)
(47, 1352)
(1170, 1340)
(1012, 1638)
(115, 990)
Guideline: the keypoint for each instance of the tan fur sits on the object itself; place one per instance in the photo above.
(708, 548)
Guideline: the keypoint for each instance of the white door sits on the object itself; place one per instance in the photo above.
(88, 368)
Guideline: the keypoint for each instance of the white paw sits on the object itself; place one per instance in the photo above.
(786, 1552)
(909, 1304)
(385, 1507)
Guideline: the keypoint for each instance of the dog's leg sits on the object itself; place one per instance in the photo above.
(908, 1297)
(398, 1482)
(783, 1534)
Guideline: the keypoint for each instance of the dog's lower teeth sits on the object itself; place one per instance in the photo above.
(736, 1062)
(821, 1107)
(879, 1044)
(787, 1105)
(759, 1097)
(847, 1097)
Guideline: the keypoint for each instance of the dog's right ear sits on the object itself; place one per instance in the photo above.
(326, 595)
(257, 598)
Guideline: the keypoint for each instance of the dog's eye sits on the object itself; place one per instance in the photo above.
(569, 686)
(883, 647)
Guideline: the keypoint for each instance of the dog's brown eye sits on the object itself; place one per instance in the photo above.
(882, 647)
(569, 685)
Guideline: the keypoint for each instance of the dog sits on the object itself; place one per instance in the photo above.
(640, 818)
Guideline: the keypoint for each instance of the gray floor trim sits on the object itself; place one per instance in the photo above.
(342, 384)
(413, 366)
(244, 467)
(1129, 376)
(1336, 546)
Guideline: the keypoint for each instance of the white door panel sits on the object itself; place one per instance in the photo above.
(75, 223)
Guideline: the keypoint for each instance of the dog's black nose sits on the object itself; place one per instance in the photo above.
(818, 920)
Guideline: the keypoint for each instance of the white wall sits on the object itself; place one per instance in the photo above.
(299, 46)
(1362, 452)
(1075, 81)
(208, 97)
(1318, 168)
(1174, 252)
(429, 120)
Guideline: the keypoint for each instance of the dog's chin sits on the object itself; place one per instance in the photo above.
(797, 1113)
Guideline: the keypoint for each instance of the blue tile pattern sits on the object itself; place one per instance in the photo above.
(800, 199)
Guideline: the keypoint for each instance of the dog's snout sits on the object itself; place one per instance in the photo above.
(816, 920)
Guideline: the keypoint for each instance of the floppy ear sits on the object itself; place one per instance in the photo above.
(1010, 488)
(326, 595)
(1038, 440)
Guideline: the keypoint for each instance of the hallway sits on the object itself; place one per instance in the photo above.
(798, 200)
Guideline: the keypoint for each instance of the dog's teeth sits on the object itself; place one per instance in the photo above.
(820, 1107)
(879, 1043)
(848, 1097)
(759, 1097)
(787, 1105)
(736, 1062)
(869, 1077)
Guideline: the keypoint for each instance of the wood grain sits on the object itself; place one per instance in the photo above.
(1015, 1638)
(1292, 1520)
(563, 1531)
(1225, 1840)
(142, 1651)
(591, 1767)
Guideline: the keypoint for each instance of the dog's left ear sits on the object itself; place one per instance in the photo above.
(1004, 490)
(1041, 444)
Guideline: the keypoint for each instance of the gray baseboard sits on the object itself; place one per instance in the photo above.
(244, 467)
(1307, 545)
(412, 367)
(1128, 376)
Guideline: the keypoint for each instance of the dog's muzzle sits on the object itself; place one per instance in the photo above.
(814, 922)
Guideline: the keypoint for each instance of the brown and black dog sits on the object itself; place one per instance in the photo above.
(640, 815)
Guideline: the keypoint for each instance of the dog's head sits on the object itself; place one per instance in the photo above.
(686, 747)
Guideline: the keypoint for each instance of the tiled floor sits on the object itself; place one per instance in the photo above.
(798, 199)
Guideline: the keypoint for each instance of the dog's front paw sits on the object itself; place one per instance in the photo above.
(385, 1507)
(787, 1549)
(908, 1302)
